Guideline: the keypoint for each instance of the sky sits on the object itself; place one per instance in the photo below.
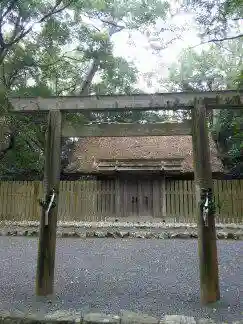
(146, 61)
(141, 53)
(139, 48)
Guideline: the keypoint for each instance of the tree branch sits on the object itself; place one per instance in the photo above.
(34, 145)
(11, 78)
(15, 31)
(9, 147)
(225, 38)
(113, 24)
(89, 77)
(1, 35)
(5, 47)
(3, 74)
(73, 59)
(114, 28)
(217, 40)
(53, 11)
(10, 7)
(73, 86)
(2, 16)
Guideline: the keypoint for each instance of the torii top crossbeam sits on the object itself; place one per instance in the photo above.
(158, 101)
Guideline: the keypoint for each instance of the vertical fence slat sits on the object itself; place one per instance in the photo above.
(5, 200)
(241, 193)
(170, 201)
(167, 200)
(217, 200)
(1, 202)
(216, 197)
(190, 215)
(9, 201)
(185, 200)
(182, 212)
(172, 205)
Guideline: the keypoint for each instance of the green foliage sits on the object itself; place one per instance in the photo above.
(61, 47)
(40, 90)
(118, 77)
(228, 132)
(239, 81)
(22, 16)
(132, 14)
(234, 7)
(214, 69)
(209, 70)
(217, 20)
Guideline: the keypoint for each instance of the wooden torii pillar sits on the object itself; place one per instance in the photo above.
(203, 174)
(48, 221)
(207, 247)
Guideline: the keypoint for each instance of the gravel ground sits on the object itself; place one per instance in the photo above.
(156, 277)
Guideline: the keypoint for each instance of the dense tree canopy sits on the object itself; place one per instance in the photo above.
(217, 20)
(61, 48)
(216, 68)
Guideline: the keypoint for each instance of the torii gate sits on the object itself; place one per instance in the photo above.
(197, 102)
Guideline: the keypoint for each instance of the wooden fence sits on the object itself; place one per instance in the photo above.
(95, 200)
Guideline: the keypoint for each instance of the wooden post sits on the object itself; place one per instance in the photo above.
(36, 208)
(206, 224)
(118, 198)
(47, 240)
(156, 199)
(163, 197)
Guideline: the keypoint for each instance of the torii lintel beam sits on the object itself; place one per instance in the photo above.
(158, 101)
(128, 130)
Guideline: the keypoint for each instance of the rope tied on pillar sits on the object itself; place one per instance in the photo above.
(48, 203)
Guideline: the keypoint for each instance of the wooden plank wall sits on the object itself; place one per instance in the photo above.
(94, 200)
(18, 200)
(87, 200)
(180, 200)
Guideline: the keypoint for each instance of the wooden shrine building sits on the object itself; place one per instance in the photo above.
(137, 172)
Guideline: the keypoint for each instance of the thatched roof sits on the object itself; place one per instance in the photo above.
(96, 154)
